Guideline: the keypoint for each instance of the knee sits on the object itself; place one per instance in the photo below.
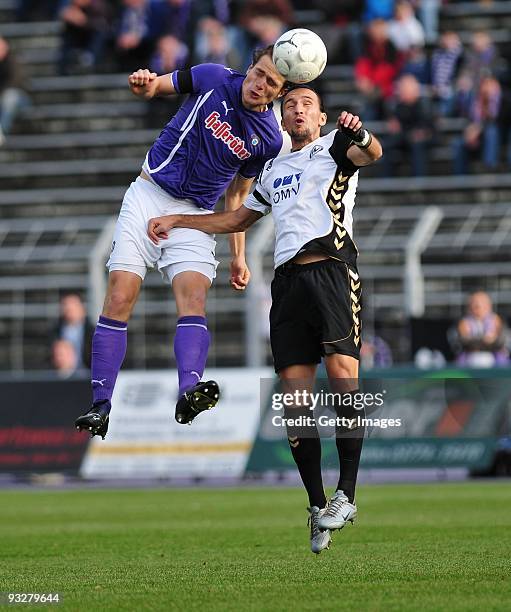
(193, 303)
(118, 305)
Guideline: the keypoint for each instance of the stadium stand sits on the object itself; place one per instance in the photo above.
(73, 152)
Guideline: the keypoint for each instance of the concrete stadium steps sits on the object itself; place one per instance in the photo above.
(58, 202)
(32, 34)
(476, 189)
(81, 88)
(77, 145)
(134, 144)
(89, 172)
(7, 10)
(49, 118)
(476, 15)
(472, 191)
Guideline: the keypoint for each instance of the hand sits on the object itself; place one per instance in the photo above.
(240, 274)
(351, 126)
(143, 83)
(158, 227)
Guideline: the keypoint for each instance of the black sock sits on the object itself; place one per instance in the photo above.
(349, 443)
(305, 447)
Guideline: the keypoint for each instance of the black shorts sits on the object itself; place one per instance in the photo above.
(315, 312)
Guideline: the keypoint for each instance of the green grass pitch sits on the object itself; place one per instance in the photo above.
(443, 546)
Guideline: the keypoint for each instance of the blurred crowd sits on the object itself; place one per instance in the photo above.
(407, 75)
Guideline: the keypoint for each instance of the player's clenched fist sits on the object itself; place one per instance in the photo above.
(351, 125)
(158, 228)
(143, 82)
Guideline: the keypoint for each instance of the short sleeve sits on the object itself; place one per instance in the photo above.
(208, 76)
(259, 200)
(339, 150)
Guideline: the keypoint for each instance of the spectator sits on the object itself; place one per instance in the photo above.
(405, 30)
(171, 54)
(410, 127)
(375, 353)
(170, 17)
(86, 24)
(133, 44)
(214, 11)
(482, 58)
(417, 65)
(428, 14)
(463, 96)
(445, 63)
(376, 70)
(378, 9)
(481, 137)
(74, 327)
(12, 96)
(64, 359)
(264, 29)
(262, 22)
(280, 9)
(212, 44)
(481, 335)
(341, 29)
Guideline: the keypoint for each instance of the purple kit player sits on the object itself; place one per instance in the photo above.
(217, 142)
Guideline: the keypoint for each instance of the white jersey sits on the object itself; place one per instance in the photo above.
(311, 193)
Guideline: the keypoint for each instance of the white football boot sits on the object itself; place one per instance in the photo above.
(319, 539)
(338, 512)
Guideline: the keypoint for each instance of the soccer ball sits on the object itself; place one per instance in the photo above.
(299, 55)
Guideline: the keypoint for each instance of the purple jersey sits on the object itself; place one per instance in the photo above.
(211, 138)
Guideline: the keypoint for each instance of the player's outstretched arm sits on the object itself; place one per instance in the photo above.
(147, 84)
(235, 195)
(367, 147)
(216, 223)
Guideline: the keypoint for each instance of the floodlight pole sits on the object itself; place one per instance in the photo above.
(254, 323)
(97, 283)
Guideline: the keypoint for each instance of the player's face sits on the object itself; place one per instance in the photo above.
(302, 117)
(261, 85)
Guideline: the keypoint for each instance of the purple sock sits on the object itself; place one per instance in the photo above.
(191, 345)
(108, 350)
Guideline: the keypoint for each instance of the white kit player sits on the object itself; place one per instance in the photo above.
(316, 292)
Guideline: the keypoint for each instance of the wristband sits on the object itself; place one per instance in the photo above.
(366, 139)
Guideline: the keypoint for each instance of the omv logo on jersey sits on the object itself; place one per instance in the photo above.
(286, 187)
(222, 130)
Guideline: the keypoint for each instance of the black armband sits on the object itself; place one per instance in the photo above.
(184, 81)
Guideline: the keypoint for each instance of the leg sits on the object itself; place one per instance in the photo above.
(304, 442)
(12, 100)
(109, 348)
(460, 155)
(418, 151)
(110, 338)
(305, 447)
(191, 345)
(192, 338)
(491, 145)
(343, 376)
